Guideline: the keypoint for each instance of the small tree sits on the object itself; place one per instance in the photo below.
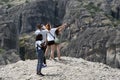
(26, 1)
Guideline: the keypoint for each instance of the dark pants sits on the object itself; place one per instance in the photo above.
(40, 56)
(44, 58)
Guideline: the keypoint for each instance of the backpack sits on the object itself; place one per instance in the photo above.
(57, 38)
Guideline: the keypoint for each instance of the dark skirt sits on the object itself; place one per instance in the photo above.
(50, 43)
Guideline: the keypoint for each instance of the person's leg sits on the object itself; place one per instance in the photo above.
(44, 58)
(58, 51)
(52, 51)
(46, 51)
(40, 62)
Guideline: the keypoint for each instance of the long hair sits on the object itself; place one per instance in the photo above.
(39, 37)
(39, 26)
(57, 32)
(48, 27)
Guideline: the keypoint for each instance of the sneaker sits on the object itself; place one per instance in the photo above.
(40, 74)
(44, 65)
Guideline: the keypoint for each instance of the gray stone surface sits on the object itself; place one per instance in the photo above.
(93, 26)
(66, 69)
(8, 57)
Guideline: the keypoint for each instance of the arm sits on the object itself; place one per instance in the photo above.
(60, 28)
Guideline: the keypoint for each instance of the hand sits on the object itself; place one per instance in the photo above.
(65, 24)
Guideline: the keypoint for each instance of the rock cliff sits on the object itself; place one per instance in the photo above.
(93, 31)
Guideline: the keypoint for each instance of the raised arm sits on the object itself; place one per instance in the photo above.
(60, 28)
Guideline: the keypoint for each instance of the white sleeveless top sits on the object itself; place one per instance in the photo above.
(50, 37)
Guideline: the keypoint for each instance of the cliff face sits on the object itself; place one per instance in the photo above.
(23, 18)
(93, 31)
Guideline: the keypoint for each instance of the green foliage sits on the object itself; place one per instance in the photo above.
(22, 42)
(109, 16)
(114, 21)
(26, 1)
(92, 8)
(9, 5)
(1, 50)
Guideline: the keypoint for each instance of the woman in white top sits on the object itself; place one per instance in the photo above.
(51, 40)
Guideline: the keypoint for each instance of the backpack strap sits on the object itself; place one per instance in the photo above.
(38, 46)
(51, 35)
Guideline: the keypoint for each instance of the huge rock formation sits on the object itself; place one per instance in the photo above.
(93, 31)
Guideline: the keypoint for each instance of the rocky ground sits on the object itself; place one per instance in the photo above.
(66, 69)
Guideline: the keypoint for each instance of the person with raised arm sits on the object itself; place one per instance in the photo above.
(51, 37)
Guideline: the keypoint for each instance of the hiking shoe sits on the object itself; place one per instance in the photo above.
(44, 65)
(40, 74)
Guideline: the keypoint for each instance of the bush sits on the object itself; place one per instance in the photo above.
(9, 5)
(26, 1)
(2, 50)
(92, 8)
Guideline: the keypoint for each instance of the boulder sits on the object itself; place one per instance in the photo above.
(8, 57)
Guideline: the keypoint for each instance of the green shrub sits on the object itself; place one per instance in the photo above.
(26, 1)
(1, 50)
(92, 8)
(9, 5)
(114, 21)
